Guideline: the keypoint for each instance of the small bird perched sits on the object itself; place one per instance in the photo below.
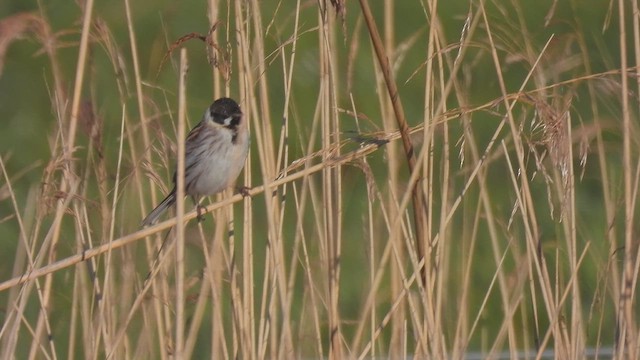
(215, 153)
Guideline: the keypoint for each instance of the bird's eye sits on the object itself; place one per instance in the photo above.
(218, 118)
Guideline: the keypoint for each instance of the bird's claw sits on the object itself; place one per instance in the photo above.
(244, 191)
(200, 216)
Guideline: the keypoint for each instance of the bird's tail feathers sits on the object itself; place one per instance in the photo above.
(153, 216)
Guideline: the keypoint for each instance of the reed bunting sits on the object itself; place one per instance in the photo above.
(215, 153)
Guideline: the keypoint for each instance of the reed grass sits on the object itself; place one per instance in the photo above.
(426, 180)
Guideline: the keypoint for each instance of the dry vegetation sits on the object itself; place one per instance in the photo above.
(401, 207)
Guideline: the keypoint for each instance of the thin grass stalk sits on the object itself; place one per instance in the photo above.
(517, 295)
(610, 207)
(43, 324)
(246, 93)
(84, 241)
(385, 320)
(627, 341)
(263, 325)
(214, 255)
(469, 142)
(391, 149)
(330, 201)
(418, 201)
(566, 194)
(248, 280)
(434, 268)
(95, 159)
(393, 166)
(75, 309)
(247, 301)
(477, 171)
(393, 347)
(180, 168)
(140, 99)
(431, 309)
(525, 204)
(550, 297)
(82, 227)
(223, 344)
(556, 316)
(636, 47)
(240, 341)
(259, 107)
(265, 128)
(443, 247)
(315, 193)
(525, 271)
(213, 7)
(65, 186)
(120, 333)
(157, 308)
(577, 336)
(10, 342)
(309, 191)
(105, 305)
(418, 265)
(394, 225)
(94, 129)
(198, 314)
(158, 314)
(490, 221)
(498, 340)
(373, 194)
(485, 201)
(315, 190)
(248, 286)
(89, 290)
(60, 103)
(371, 299)
(242, 306)
(269, 158)
(315, 307)
(283, 158)
(127, 286)
(59, 98)
(87, 20)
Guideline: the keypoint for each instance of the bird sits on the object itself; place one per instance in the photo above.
(216, 150)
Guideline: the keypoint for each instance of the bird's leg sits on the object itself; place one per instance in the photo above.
(244, 191)
(199, 209)
(200, 215)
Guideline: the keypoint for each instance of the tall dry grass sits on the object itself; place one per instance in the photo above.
(414, 193)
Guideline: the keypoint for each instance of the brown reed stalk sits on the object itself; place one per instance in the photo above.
(418, 199)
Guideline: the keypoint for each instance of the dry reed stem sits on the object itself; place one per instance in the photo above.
(68, 185)
(157, 320)
(383, 61)
(525, 206)
(627, 342)
(180, 265)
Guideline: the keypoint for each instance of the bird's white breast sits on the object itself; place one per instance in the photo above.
(221, 161)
